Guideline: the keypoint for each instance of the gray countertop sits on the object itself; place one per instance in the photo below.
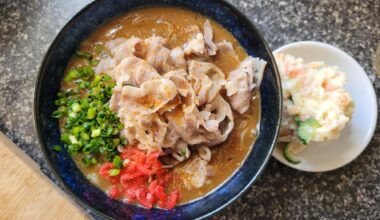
(352, 192)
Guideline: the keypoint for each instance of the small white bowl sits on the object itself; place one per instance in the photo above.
(330, 155)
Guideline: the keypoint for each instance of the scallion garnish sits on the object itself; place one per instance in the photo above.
(114, 172)
(83, 54)
(57, 148)
(117, 162)
(90, 127)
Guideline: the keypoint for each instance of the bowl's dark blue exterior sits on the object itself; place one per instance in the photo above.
(48, 83)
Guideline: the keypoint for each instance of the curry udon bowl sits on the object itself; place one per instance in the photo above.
(63, 166)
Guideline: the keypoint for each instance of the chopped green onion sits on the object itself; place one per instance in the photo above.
(90, 128)
(85, 136)
(80, 72)
(84, 85)
(96, 81)
(71, 75)
(76, 107)
(61, 95)
(95, 133)
(60, 101)
(298, 119)
(58, 114)
(96, 91)
(109, 155)
(76, 131)
(62, 108)
(73, 139)
(65, 138)
(87, 125)
(73, 149)
(183, 152)
(117, 162)
(101, 117)
(106, 78)
(57, 148)
(94, 62)
(72, 91)
(124, 141)
(91, 113)
(115, 131)
(116, 141)
(84, 103)
(83, 54)
(110, 147)
(86, 71)
(114, 172)
(87, 149)
(94, 161)
(87, 160)
(107, 132)
(72, 115)
(99, 48)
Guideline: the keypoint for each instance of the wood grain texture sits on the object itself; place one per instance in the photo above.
(25, 193)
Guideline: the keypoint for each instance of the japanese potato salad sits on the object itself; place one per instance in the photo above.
(316, 106)
(160, 106)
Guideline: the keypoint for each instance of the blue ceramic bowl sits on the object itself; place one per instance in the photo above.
(64, 168)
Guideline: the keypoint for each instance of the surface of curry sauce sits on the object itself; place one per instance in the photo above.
(171, 23)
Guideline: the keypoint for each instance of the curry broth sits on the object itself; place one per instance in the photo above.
(171, 24)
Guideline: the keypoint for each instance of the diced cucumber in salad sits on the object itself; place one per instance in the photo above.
(306, 129)
(305, 133)
(289, 156)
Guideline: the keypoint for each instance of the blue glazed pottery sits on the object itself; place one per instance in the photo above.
(64, 168)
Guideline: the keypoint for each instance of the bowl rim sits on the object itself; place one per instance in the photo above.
(86, 205)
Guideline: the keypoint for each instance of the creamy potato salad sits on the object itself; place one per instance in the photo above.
(316, 106)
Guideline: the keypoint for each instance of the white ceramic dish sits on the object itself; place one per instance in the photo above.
(330, 155)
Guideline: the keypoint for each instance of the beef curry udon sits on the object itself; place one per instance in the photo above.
(159, 106)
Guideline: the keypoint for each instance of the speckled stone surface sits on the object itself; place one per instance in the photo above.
(352, 192)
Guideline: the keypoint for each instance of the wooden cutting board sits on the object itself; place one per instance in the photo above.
(26, 193)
